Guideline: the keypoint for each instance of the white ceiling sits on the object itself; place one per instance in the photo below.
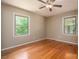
(33, 6)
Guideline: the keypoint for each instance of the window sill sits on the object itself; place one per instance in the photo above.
(71, 34)
(22, 35)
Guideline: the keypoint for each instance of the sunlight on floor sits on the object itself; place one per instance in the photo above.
(23, 55)
(71, 55)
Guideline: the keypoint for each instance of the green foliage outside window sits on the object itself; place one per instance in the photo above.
(22, 25)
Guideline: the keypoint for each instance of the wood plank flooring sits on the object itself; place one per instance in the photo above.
(45, 49)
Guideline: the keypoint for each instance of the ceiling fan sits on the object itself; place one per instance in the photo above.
(49, 4)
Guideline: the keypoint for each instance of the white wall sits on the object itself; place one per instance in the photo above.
(36, 27)
(54, 28)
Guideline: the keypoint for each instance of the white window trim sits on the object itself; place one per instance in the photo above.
(63, 25)
(14, 25)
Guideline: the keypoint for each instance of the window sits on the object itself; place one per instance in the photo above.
(70, 25)
(22, 25)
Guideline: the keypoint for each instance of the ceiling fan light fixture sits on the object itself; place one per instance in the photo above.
(49, 6)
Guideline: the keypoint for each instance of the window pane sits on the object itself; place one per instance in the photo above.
(22, 25)
(69, 25)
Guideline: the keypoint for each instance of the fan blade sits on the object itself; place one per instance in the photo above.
(57, 5)
(42, 7)
(52, 0)
(42, 1)
(48, 1)
(50, 9)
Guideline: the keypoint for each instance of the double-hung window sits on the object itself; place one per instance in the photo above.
(21, 25)
(70, 25)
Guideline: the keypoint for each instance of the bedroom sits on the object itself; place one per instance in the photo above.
(39, 29)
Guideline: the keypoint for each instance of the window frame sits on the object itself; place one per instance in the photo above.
(63, 26)
(14, 24)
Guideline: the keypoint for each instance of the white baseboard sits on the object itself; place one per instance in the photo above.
(63, 41)
(21, 44)
(37, 41)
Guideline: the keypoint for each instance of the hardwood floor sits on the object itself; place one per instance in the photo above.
(45, 49)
